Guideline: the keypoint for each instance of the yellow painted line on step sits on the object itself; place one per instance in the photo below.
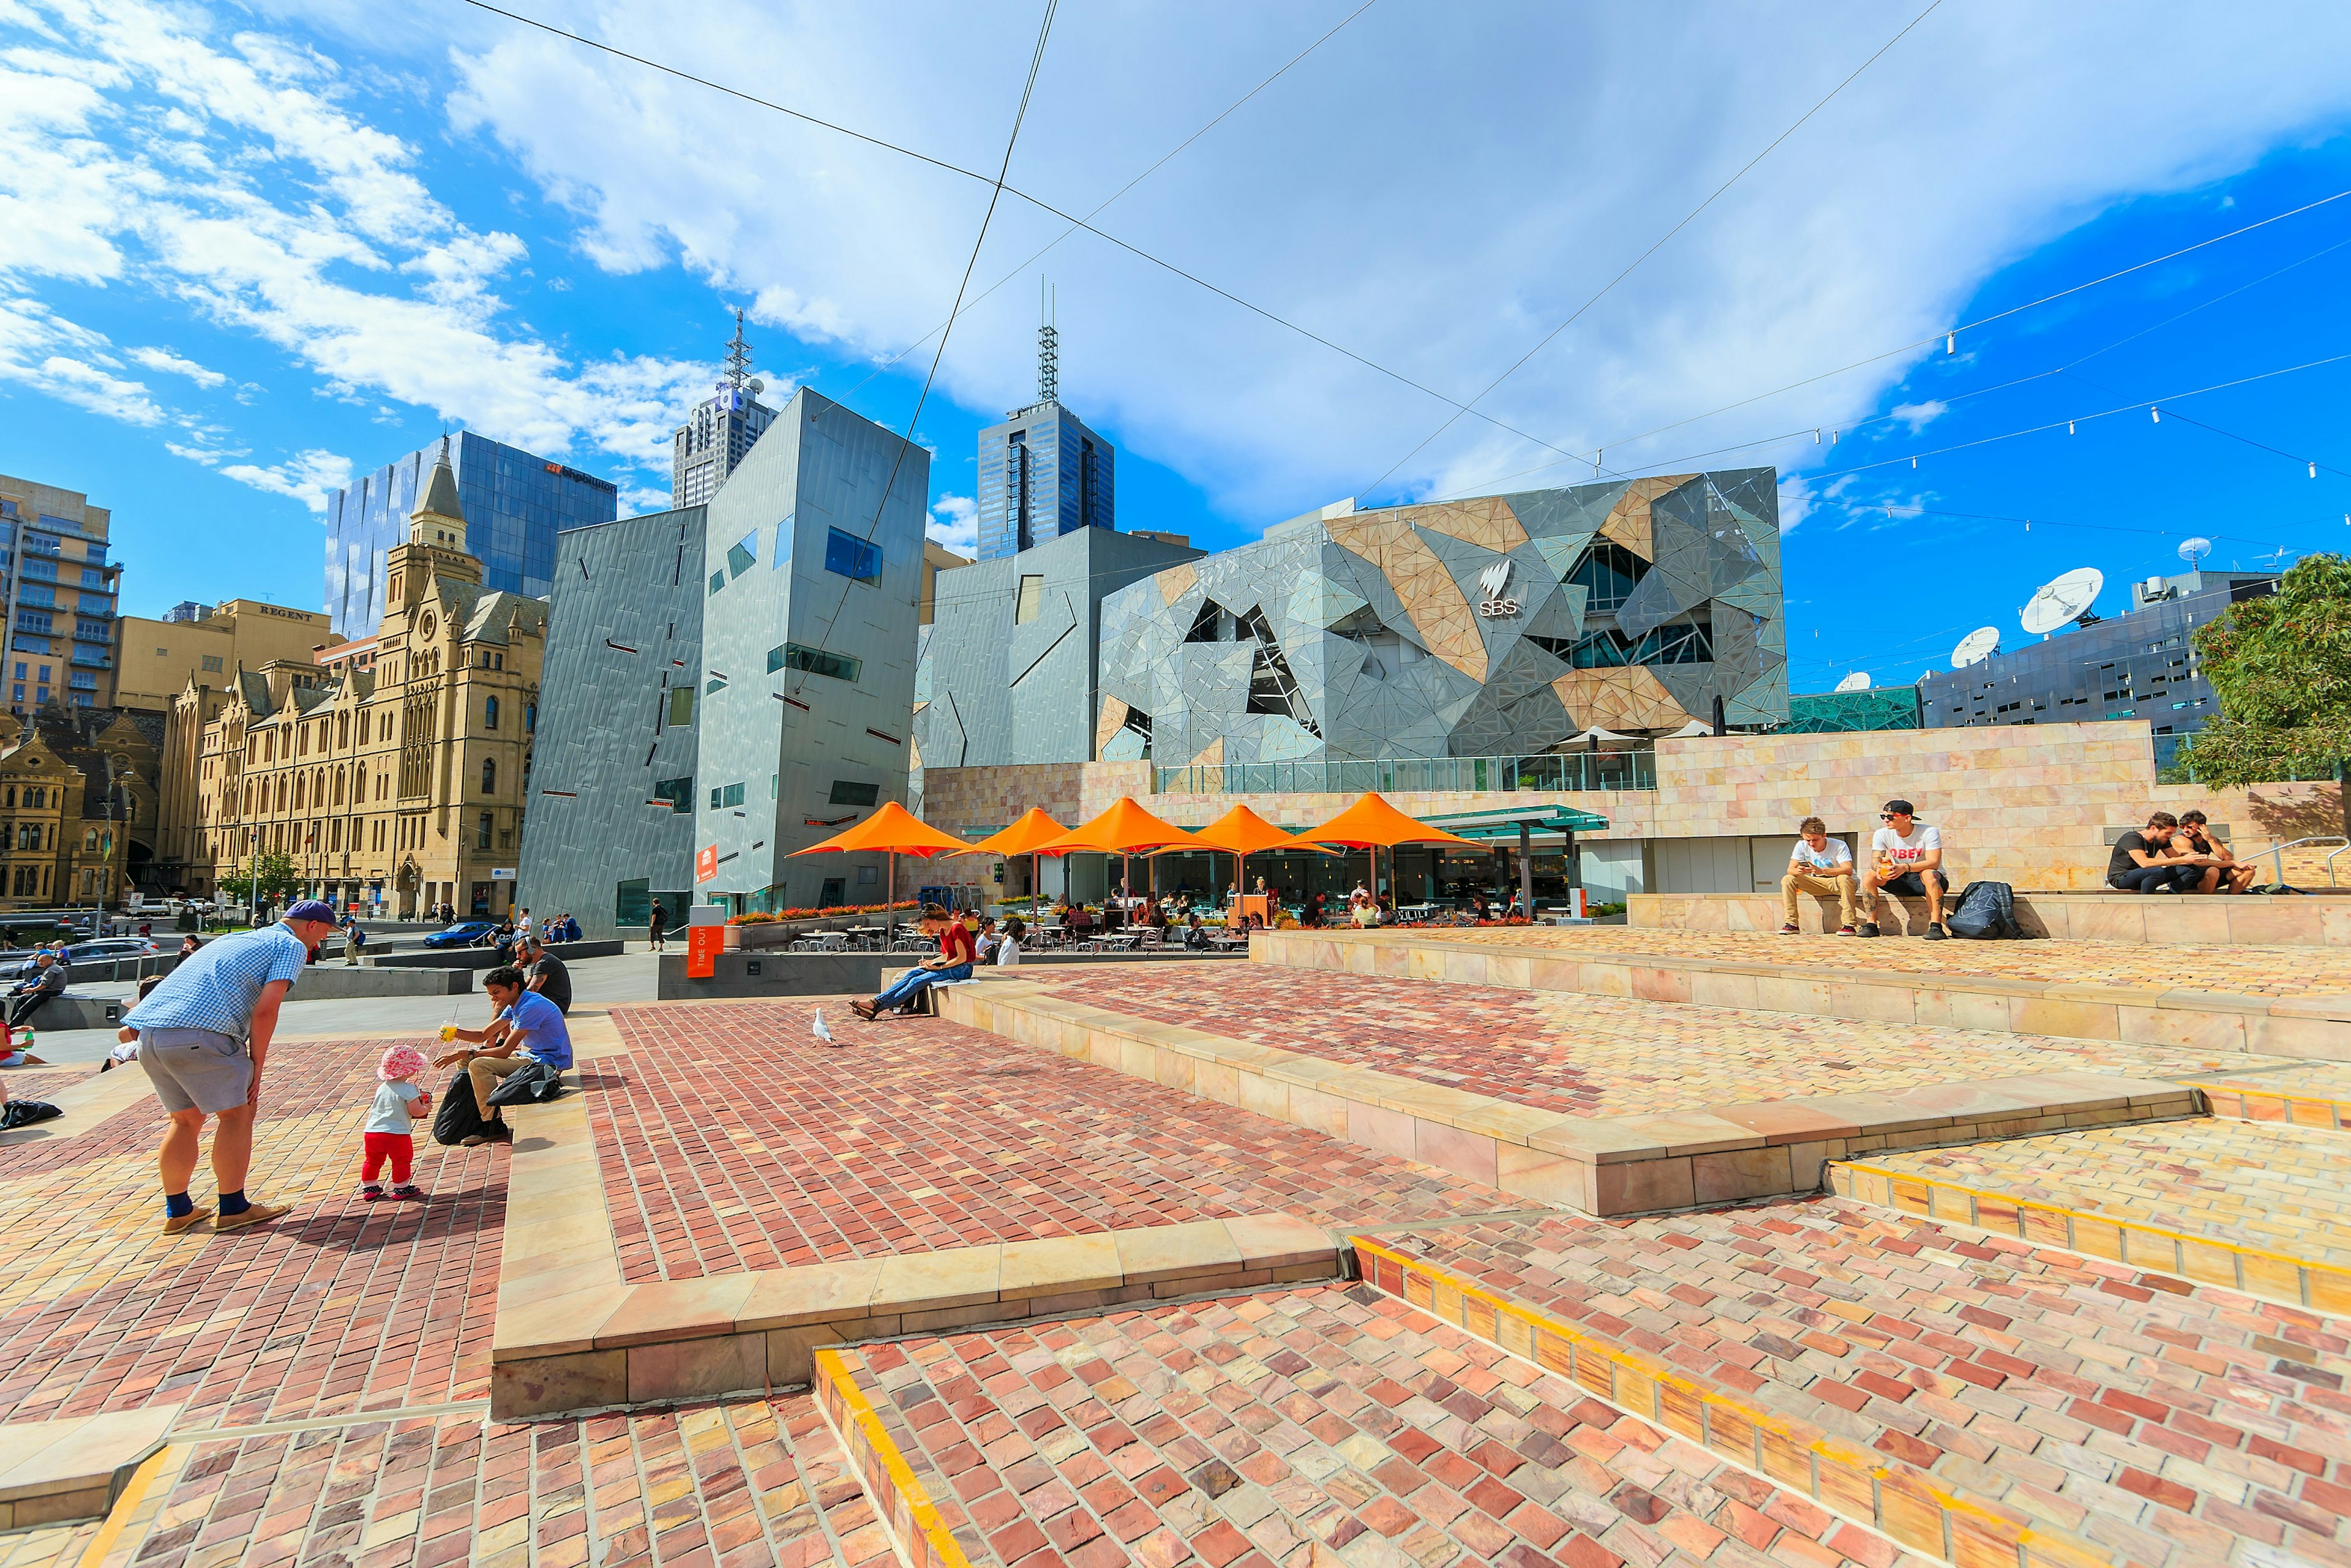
(1858, 1483)
(2200, 1260)
(840, 1384)
(2244, 1091)
(117, 1518)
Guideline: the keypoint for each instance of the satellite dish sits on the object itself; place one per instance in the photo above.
(757, 386)
(1976, 647)
(1856, 682)
(2194, 550)
(2058, 602)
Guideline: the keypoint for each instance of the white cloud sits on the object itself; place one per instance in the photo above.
(61, 359)
(234, 174)
(1919, 415)
(308, 478)
(169, 364)
(1428, 189)
(955, 522)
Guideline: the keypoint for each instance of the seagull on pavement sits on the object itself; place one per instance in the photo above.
(819, 1029)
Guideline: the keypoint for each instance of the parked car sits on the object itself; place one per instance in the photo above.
(465, 934)
(104, 950)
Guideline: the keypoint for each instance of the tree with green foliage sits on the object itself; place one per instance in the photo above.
(2280, 666)
(276, 876)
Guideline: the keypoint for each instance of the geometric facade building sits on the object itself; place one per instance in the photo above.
(1007, 672)
(1503, 625)
(514, 501)
(610, 824)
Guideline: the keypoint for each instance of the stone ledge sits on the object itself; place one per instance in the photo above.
(1600, 1164)
(685, 1339)
(2309, 1027)
(2196, 920)
(52, 1473)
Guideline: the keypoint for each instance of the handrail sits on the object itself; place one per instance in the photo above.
(2330, 863)
(2277, 853)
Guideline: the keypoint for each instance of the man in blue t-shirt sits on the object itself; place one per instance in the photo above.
(528, 1029)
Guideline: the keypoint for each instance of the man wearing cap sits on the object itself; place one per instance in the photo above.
(204, 1037)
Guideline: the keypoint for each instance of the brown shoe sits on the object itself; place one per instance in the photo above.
(172, 1227)
(865, 1010)
(255, 1214)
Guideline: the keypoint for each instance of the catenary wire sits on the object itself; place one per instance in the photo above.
(1228, 112)
(1035, 60)
(1688, 218)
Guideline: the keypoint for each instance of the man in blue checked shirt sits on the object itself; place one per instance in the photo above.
(203, 1036)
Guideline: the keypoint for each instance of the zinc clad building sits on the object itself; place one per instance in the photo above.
(611, 824)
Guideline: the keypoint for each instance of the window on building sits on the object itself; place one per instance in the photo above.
(681, 704)
(717, 580)
(848, 556)
(482, 832)
(489, 713)
(815, 661)
(1608, 573)
(530, 718)
(845, 793)
(489, 775)
(678, 792)
(743, 554)
(1030, 599)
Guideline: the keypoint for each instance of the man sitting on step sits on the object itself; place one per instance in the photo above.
(1818, 864)
(2155, 860)
(1905, 859)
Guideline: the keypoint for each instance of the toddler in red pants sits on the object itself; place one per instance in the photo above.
(397, 1099)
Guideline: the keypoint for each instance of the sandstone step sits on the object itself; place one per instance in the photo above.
(2317, 1095)
(2322, 920)
(1609, 1105)
(1990, 1400)
(1319, 1426)
(2255, 1206)
(2260, 1000)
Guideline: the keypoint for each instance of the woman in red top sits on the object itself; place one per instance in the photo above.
(956, 954)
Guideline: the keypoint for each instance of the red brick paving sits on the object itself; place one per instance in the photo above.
(1583, 1055)
(1285, 1429)
(732, 1140)
(2164, 1422)
(342, 1306)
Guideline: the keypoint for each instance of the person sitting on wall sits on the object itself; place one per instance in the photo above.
(955, 957)
(2222, 873)
(1818, 864)
(2156, 859)
(45, 979)
(1907, 860)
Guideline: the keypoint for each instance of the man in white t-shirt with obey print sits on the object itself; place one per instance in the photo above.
(1818, 864)
(1905, 859)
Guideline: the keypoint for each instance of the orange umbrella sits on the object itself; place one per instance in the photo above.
(1371, 823)
(1241, 832)
(1029, 836)
(893, 831)
(1121, 831)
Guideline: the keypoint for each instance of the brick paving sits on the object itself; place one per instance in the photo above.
(2169, 1424)
(342, 1306)
(731, 1140)
(749, 1483)
(39, 1082)
(1592, 1056)
(2279, 1188)
(1308, 1426)
(2238, 969)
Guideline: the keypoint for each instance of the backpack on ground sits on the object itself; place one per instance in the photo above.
(533, 1083)
(458, 1118)
(25, 1113)
(1986, 912)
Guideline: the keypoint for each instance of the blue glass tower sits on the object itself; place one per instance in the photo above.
(1041, 473)
(515, 503)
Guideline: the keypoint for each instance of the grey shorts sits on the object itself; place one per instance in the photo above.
(195, 1069)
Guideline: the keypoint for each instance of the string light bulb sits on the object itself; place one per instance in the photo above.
(2313, 470)
(2154, 413)
(1816, 436)
(1914, 463)
(2069, 428)
(1833, 438)
(1950, 343)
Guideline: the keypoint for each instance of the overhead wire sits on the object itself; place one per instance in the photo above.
(1688, 218)
(1104, 205)
(1035, 60)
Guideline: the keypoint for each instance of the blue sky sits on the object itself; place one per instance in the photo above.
(245, 252)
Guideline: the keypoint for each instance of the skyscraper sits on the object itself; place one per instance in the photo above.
(1042, 473)
(713, 441)
(514, 502)
(58, 593)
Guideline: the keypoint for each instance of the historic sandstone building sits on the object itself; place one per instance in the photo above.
(395, 785)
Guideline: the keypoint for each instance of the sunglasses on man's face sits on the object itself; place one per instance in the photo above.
(1887, 816)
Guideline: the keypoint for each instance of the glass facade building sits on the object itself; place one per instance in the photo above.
(515, 504)
(59, 593)
(1042, 475)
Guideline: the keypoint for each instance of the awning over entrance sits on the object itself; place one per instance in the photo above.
(1511, 824)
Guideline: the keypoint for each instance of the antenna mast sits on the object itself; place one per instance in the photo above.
(1049, 350)
(738, 357)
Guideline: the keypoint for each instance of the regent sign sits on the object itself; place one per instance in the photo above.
(1491, 581)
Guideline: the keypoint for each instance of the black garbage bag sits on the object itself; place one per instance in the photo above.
(458, 1118)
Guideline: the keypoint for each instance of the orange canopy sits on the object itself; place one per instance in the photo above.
(1029, 836)
(1373, 821)
(1241, 832)
(894, 830)
(1123, 828)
